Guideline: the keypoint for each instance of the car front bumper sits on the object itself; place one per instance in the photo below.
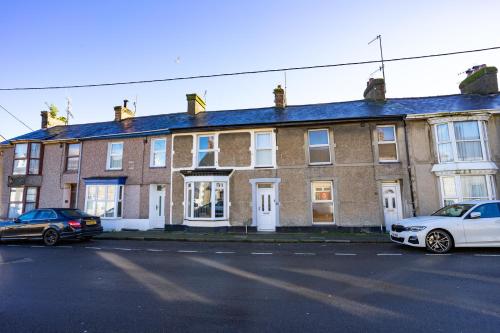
(411, 238)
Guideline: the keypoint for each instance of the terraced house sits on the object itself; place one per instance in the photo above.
(356, 164)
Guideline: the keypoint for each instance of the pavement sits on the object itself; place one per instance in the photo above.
(157, 286)
(251, 237)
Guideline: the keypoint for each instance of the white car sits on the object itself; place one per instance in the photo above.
(466, 224)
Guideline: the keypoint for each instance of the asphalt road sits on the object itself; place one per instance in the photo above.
(133, 286)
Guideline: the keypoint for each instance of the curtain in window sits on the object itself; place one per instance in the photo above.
(468, 141)
(474, 187)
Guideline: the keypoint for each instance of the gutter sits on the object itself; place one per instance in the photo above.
(412, 196)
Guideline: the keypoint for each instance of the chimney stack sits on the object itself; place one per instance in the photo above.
(480, 80)
(49, 121)
(195, 104)
(122, 112)
(279, 97)
(375, 90)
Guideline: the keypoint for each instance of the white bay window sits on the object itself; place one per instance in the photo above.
(458, 188)
(462, 141)
(206, 199)
(105, 201)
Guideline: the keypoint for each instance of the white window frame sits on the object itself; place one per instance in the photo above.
(392, 142)
(108, 160)
(118, 199)
(215, 150)
(153, 152)
(319, 146)
(483, 138)
(208, 179)
(313, 200)
(490, 188)
(68, 156)
(272, 148)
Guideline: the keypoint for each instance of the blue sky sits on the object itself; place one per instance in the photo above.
(77, 42)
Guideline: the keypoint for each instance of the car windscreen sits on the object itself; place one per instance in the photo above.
(456, 210)
(74, 213)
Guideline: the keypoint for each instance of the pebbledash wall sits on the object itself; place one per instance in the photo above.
(354, 171)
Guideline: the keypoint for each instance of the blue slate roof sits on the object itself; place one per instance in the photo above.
(337, 111)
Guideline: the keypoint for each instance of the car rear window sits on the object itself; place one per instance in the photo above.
(74, 213)
(456, 210)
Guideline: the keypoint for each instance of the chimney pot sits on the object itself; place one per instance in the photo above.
(195, 104)
(125, 101)
(480, 80)
(279, 97)
(375, 90)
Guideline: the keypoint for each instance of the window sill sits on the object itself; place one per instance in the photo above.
(114, 169)
(158, 167)
(389, 162)
(71, 172)
(321, 164)
(323, 223)
(264, 166)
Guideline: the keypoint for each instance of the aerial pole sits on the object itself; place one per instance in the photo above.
(382, 67)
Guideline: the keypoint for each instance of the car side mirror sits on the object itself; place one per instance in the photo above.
(475, 215)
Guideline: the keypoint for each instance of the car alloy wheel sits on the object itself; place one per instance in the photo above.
(50, 237)
(438, 241)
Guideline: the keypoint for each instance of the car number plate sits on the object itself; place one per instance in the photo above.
(90, 222)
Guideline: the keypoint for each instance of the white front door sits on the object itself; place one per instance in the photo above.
(157, 206)
(391, 200)
(266, 208)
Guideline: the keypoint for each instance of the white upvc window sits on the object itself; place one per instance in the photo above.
(206, 199)
(387, 143)
(158, 153)
(458, 188)
(105, 201)
(206, 155)
(264, 149)
(319, 146)
(462, 141)
(115, 156)
(322, 202)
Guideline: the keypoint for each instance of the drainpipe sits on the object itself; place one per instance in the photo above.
(412, 197)
(78, 177)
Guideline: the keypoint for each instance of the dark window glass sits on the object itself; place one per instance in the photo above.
(28, 216)
(488, 210)
(46, 214)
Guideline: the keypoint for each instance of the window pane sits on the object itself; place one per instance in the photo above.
(263, 140)
(21, 150)
(110, 196)
(319, 154)
(28, 207)
(319, 137)
(110, 206)
(90, 209)
(206, 142)
(16, 194)
(322, 191)
(387, 152)
(100, 208)
(445, 152)
(91, 192)
(489, 210)
(443, 133)
(469, 151)
(219, 200)
(159, 159)
(35, 150)
(474, 187)
(386, 133)
(189, 200)
(323, 212)
(466, 130)
(206, 159)
(15, 210)
(34, 167)
(72, 163)
(116, 149)
(264, 157)
(101, 193)
(116, 162)
(160, 145)
(449, 189)
(31, 194)
(19, 167)
(74, 149)
(202, 200)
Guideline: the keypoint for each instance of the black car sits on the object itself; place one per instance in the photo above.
(51, 225)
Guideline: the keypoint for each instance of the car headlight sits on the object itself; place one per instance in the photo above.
(416, 228)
